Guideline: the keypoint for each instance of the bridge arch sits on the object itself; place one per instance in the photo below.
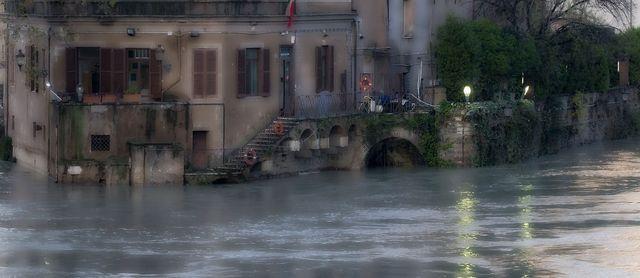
(337, 134)
(393, 152)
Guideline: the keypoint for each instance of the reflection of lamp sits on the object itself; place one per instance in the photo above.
(21, 60)
(467, 92)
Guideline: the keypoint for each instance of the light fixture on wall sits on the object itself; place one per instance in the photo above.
(21, 60)
(160, 52)
(50, 89)
(131, 32)
(79, 92)
(253, 26)
(324, 33)
(194, 34)
(293, 38)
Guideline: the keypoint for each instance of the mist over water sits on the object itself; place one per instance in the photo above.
(575, 214)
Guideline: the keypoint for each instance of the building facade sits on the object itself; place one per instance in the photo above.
(206, 75)
(395, 45)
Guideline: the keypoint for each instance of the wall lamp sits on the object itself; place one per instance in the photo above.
(194, 34)
(131, 32)
(21, 60)
(50, 89)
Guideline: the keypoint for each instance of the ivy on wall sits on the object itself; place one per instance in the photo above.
(425, 125)
(504, 132)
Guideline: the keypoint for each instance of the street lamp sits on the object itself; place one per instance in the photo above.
(21, 59)
(526, 90)
(467, 92)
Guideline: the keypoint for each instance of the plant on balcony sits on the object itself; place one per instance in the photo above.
(107, 7)
(132, 94)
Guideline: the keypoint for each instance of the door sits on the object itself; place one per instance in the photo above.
(286, 80)
(199, 157)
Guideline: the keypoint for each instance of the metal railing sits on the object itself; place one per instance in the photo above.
(324, 105)
(177, 8)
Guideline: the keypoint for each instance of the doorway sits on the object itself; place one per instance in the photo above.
(286, 80)
(199, 159)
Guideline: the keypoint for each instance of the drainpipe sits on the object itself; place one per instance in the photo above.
(179, 45)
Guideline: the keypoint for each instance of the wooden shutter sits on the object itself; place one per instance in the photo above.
(119, 71)
(155, 76)
(71, 66)
(266, 73)
(330, 69)
(105, 70)
(198, 73)
(242, 92)
(211, 69)
(319, 83)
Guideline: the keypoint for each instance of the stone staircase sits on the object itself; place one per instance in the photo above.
(263, 143)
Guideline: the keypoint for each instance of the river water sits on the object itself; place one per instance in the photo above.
(575, 214)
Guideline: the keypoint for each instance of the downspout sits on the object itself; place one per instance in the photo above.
(179, 45)
(49, 172)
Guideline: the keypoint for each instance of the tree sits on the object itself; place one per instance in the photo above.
(539, 17)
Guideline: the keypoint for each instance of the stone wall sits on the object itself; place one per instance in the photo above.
(561, 122)
(150, 124)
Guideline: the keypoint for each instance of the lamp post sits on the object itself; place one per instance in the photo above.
(526, 91)
(21, 60)
(467, 92)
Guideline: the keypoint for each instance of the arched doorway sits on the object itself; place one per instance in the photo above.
(393, 152)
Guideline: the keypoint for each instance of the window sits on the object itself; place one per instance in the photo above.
(324, 68)
(112, 71)
(407, 18)
(138, 70)
(254, 72)
(204, 72)
(100, 143)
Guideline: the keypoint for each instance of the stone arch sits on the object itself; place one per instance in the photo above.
(307, 139)
(393, 152)
(337, 137)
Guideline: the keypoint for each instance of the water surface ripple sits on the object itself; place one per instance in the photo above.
(576, 214)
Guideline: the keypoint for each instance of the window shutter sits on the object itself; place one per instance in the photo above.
(71, 69)
(211, 69)
(319, 83)
(105, 70)
(119, 71)
(241, 74)
(155, 76)
(29, 66)
(266, 73)
(330, 69)
(198, 73)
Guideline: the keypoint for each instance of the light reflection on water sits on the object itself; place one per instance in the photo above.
(574, 214)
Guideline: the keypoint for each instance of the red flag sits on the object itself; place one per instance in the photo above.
(291, 11)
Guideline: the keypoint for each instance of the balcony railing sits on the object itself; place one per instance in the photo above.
(325, 105)
(150, 8)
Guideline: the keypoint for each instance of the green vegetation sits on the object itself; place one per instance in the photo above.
(504, 132)
(425, 125)
(493, 60)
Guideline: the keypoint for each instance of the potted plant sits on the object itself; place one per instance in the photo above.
(132, 95)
